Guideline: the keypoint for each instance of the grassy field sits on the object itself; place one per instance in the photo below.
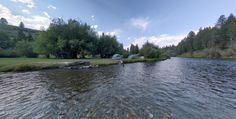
(31, 64)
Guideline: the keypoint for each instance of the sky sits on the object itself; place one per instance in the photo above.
(163, 22)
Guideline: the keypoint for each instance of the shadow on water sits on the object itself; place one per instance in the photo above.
(175, 88)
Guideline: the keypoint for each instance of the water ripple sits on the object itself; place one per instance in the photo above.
(179, 88)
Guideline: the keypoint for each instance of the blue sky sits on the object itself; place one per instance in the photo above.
(163, 22)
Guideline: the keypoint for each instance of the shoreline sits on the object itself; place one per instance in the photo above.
(223, 58)
(210, 53)
(28, 64)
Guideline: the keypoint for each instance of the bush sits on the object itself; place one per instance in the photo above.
(200, 54)
(214, 53)
(164, 56)
(227, 53)
(24, 48)
(149, 50)
(125, 54)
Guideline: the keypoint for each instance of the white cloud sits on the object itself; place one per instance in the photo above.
(93, 18)
(26, 11)
(141, 23)
(46, 14)
(28, 3)
(52, 7)
(94, 26)
(161, 41)
(34, 22)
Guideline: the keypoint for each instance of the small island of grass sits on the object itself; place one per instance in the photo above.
(34, 64)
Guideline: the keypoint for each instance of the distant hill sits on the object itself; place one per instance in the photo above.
(12, 31)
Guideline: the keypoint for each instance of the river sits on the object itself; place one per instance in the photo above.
(178, 88)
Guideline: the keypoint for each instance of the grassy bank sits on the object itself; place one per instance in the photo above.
(211, 53)
(32, 64)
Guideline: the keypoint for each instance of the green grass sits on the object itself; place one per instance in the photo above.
(101, 61)
(33, 64)
(30, 64)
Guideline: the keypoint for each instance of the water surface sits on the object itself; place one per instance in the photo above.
(179, 88)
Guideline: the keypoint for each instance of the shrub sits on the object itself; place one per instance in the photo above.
(214, 53)
(227, 53)
(164, 56)
(24, 48)
(149, 50)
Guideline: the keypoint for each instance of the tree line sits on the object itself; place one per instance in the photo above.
(74, 39)
(62, 39)
(68, 39)
(220, 37)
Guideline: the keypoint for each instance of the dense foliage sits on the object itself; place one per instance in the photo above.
(169, 50)
(134, 49)
(71, 39)
(74, 39)
(3, 21)
(66, 39)
(150, 50)
(108, 46)
(221, 37)
(4, 41)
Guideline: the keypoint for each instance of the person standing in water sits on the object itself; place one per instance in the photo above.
(122, 63)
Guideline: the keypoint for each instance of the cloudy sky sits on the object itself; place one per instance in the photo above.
(163, 22)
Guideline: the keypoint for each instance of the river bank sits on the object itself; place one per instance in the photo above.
(178, 88)
(34, 64)
(211, 53)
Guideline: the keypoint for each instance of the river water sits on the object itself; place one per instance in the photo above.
(178, 88)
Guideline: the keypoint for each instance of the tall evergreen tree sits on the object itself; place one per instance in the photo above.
(21, 35)
(221, 21)
(222, 36)
(21, 25)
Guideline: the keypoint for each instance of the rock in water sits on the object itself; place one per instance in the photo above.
(150, 115)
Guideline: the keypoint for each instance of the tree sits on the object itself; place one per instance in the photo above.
(132, 49)
(21, 25)
(43, 45)
(170, 50)
(220, 37)
(24, 48)
(136, 49)
(189, 41)
(149, 50)
(3, 21)
(30, 37)
(221, 21)
(231, 20)
(108, 46)
(21, 34)
(72, 39)
(231, 28)
(4, 41)
(67, 39)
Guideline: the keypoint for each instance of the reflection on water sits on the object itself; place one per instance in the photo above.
(178, 88)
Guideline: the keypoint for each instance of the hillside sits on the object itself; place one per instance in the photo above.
(12, 31)
(213, 42)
